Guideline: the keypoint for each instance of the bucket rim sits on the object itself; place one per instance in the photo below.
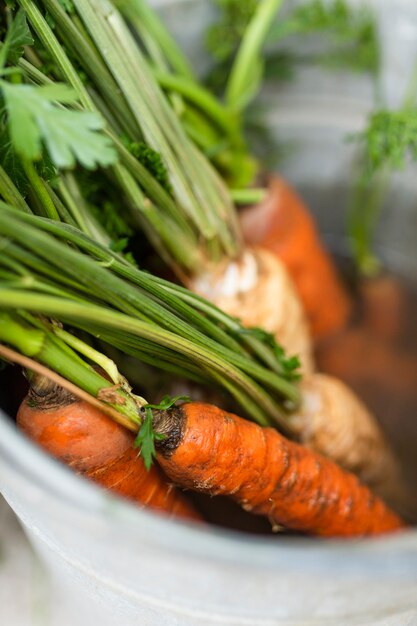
(29, 466)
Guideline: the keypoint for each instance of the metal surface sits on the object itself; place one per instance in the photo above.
(113, 564)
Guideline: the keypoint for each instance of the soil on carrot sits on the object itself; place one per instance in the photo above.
(376, 356)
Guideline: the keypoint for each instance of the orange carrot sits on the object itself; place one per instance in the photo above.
(385, 377)
(283, 225)
(364, 361)
(218, 453)
(94, 446)
(383, 303)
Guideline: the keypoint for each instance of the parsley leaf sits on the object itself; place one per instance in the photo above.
(389, 138)
(289, 365)
(150, 159)
(167, 402)
(146, 437)
(34, 116)
(12, 164)
(351, 33)
(18, 35)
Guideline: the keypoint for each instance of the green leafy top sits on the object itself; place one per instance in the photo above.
(388, 142)
(34, 116)
(224, 36)
(289, 364)
(146, 437)
(351, 33)
(389, 138)
(17, 36)
(152, 160)
(67, 5)
(348, 38)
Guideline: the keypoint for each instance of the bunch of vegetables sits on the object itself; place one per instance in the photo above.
(83, 95)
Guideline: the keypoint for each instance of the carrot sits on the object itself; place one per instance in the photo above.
(384, 306)
(258, 290)
(367, 365)
(334, 422)
(218, 453)
(363, 360)
(94, 446)
(283, 225)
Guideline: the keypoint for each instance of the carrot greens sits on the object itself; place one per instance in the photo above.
(17, 36)
(147, 436)
(141, 315)
(34, 339)
(33, 117)
(388, 143)
(166, 185)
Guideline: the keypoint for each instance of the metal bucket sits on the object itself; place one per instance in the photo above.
(113, 564)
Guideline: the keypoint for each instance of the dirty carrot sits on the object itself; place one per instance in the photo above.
(94, 446)
(283, 225)
(218, 453)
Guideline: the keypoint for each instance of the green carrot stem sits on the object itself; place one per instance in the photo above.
(34, 366)
(201, 98)
(151, 186)
(79, 211)
(11, 194)
(64, 215)
(362, 217)
(84, 50)
(206, 205)
(37, 344)
(248, 196)
(51, 43)
(85, 316)
(38, 188)
(143, 18)
(113, 290)
(180, 300)
(106, 364)
(248, 55)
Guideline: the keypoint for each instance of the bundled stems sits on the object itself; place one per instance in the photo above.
(115, 305)
(35, 340)
(197, 189)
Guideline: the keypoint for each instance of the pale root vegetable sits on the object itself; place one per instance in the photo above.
(334, 422)
(258, 290)
(94, 446)
(283, 225)
(217, 453)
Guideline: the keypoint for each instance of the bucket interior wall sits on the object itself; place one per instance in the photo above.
(114, 564)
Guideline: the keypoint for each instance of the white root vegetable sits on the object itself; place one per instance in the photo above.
(333, 421)
(258, 290)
